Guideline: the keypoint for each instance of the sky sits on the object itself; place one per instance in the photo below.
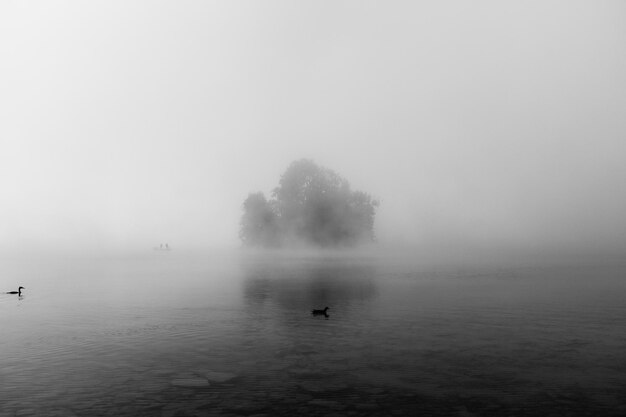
(482, 124)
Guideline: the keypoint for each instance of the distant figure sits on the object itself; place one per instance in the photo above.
(323, 312)
(161, 246)
(18, 292)
(167, 247)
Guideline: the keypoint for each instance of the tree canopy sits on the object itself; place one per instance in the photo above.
(311, 204)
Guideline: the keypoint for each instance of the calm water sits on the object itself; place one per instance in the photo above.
(177, 335)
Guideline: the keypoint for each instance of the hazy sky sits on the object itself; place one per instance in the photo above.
(134, 123)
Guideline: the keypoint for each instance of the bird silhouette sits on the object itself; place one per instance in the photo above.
(18, 292)
(323, 312)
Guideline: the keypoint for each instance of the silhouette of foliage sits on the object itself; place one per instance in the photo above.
(311, 204)
(259, 222)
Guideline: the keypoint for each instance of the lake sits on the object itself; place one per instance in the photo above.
(173, 334)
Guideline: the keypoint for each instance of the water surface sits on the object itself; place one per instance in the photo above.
(170, 334)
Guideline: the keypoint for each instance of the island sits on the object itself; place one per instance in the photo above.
(312, 205)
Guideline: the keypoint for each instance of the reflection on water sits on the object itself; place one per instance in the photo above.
(296, 287)
(166, 334)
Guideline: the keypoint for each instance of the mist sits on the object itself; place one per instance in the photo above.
(482, 128)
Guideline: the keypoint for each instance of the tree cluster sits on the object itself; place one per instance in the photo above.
(312, 205)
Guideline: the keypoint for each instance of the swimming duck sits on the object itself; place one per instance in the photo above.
(320, 312)
(18, 292)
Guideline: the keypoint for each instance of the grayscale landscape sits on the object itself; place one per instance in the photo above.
(279, 208)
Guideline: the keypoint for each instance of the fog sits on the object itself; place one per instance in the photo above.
(482, 127)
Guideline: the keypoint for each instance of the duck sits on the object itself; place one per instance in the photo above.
(320, 312)
(18, 292)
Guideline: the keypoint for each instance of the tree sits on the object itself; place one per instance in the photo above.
(258, 223)
(311, 204)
